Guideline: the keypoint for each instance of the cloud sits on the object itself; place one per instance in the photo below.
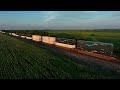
(66, 16)
(49, 16)
(48, 19)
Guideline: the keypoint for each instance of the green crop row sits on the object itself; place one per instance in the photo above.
(20, 60)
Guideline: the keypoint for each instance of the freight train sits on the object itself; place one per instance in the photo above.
(87, 46)
(95, 49)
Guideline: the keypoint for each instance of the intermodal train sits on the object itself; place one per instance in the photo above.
(87, 46)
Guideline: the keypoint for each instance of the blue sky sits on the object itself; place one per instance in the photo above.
(70, 20)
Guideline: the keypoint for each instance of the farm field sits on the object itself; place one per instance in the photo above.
(20, 60)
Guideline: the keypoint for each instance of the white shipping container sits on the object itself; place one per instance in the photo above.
(16, 35)
(28, 37)
(23, 36)
(3, 32)
(36, 38)
(10, 33)
(50, 40)
(64, 45)
(13, 34)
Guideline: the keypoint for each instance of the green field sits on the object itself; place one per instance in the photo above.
(20, 60)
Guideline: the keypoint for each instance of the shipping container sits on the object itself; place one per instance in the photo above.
(2, 32)
(66, 41)
(16, 35)
(36, 38)
(49, 40)
(64, 45)
(23, 36)
(28, 37)
(10, 33)
(13, 34)
(95, 47)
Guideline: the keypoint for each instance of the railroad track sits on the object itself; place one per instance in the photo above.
(99, 64)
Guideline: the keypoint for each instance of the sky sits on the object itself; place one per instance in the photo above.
(59, 20)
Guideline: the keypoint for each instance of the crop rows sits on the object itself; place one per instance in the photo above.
(20, 60)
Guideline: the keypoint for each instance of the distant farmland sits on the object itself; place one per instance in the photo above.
(20, 60)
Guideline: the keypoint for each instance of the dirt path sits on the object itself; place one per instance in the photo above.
(99, 64)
